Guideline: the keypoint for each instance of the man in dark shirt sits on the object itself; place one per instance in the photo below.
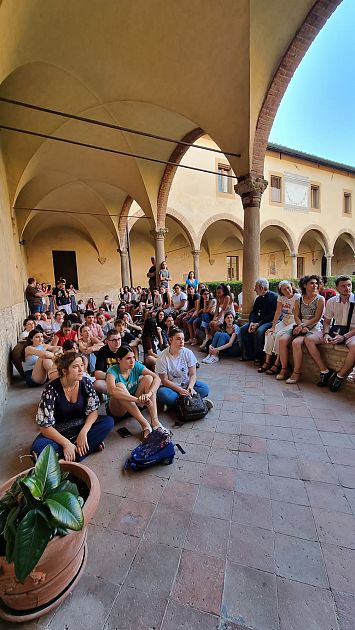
(260, 320)
(34, 296)
(62, 298)
(152, 275)
(105, 358)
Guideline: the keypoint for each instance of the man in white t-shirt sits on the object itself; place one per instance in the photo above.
(337, 312)
(179, 299)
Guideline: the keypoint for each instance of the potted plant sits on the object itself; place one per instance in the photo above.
(44, 515)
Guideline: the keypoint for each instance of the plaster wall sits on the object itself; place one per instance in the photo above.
(12, 284)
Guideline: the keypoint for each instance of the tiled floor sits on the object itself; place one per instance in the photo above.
(253, 528)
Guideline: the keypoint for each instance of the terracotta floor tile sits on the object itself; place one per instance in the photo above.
(304, 607)
(281, 448)
(111, 553)
(253, 462)
(251, 547)
(344, 456)
(253, 483)
(250, 444)
(251, 510)
(219, 477)
(250, 595)
(132, 517)
(289, 490)
(199, 582)
(214, 502)
(300, 560)
(284, 467)
(293, 520)
(327, 496)
(178, 617)
(340, 564)
(319, 471)
(135, 608)
(179, 495)
(168, 526)
(208, 535)
(154, 568)
(345, 606)
(336, 529)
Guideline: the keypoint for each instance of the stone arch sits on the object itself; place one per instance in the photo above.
(350, 240)
(314, 22)
(319, 230)
(289, 237)
(169, 173)
(218, 217)
(123, 220)
(185, 226)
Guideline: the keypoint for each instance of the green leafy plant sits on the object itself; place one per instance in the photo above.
(38, 506)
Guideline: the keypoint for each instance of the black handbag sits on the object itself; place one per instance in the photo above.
(191, 408)
(338, 329)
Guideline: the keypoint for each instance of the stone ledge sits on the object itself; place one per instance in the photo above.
(333, 356)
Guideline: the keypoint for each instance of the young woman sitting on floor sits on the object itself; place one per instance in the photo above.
(176, 366)
(37, 358)
(224, 341)
(131, 386)
(68, 413)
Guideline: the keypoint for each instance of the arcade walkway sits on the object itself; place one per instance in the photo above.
(254, 528)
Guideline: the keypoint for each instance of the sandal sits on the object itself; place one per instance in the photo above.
(147, 431)
(264, 368)
(275, 369)
(282, 374)
(294, 378)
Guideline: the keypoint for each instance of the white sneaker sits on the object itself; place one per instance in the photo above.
(214, 358)
(210, 404)
(207, 359)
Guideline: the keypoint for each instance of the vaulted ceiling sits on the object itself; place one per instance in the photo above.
(160, 66)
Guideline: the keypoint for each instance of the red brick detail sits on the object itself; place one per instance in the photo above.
(170, 171)
(122, 222)
(314, 22)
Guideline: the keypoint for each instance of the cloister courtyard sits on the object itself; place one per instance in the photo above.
(252, 529)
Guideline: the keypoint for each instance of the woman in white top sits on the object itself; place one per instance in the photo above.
(37, 359)
(224, 304)
(288, 296)
(176, 366)
(308, 314)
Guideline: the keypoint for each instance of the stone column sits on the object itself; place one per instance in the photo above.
(196, 258)
(250, 187)
(124, 266)
(328, 271)
(293, 266)
(159, 236)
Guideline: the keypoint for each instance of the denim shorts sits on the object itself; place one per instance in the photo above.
(29, 380)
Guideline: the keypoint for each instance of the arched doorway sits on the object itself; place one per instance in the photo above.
(313, 249)
(343, 261)
(221, 255)
(276, 249)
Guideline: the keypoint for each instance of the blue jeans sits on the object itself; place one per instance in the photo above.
(167, 396)
(98, 432)
(220, 339)
(36, 308)
(253, 343)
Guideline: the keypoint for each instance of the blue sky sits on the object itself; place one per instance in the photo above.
(317, 113)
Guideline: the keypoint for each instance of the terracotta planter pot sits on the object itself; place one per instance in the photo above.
(60, 566)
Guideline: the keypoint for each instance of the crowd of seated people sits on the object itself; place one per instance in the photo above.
(135, 356)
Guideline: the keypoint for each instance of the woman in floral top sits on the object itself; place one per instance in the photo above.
(67, 413)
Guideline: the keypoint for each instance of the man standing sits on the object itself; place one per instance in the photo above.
(339, 310)
(260, 320)
(152, 275)
(34, 296)
(62, 298)
(105, 358)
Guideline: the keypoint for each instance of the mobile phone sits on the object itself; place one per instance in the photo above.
(123, 432)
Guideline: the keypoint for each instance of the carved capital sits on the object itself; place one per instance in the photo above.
(123, 251)
(250, 188)
(159, 233)
(195, 252)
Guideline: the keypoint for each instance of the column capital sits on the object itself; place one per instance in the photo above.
(250, 187)
(294, 255)
(159, 232)
(195, 252)
(329, 256)
(123, 251)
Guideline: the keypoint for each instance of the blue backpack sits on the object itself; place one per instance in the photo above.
(156, 448)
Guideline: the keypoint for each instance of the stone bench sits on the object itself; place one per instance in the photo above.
(333, 356)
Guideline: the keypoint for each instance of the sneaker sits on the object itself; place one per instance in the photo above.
(324, 378)
(214, 359)
(209, 403)
(207, 359)
(336, 383)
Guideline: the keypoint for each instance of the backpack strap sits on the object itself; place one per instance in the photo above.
(350, 315)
